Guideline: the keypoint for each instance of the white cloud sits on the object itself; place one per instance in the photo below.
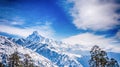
(13, 21)
(87, 40)
(44, 30)
(17, 21)
(117, 36)
(94, 14)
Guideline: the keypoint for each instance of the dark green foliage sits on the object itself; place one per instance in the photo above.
(14, 60)
(99, 58)
(28, 61)
(1, 65)
(112, 63)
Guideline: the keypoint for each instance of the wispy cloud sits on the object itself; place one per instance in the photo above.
(12, 21)
(117, 36)
(94, 14)
(17, 21)
(87, 40)
(44, 30)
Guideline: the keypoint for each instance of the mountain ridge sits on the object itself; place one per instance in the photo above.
(47, 48)
(59, 53)
(8, 47)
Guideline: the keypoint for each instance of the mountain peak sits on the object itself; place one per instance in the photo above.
(35, 33)
(34, 37)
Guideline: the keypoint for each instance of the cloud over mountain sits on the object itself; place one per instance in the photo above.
(87, 40)
(44, 30)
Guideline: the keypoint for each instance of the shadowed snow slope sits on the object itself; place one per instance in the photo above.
(53, 50)
(49, 52)
(7, 47)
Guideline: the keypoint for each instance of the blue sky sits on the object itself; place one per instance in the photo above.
(62, 19)
(37, 12)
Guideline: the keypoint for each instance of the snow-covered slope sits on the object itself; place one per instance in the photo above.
(53, 50)
(7, 47)
(48, 52)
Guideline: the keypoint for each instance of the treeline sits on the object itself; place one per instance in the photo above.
(99, 58)
(14, 60)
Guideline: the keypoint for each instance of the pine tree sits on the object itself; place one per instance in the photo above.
(99, 58)
(1, 65)
(28, 61)
(14, 60)
(112, 63)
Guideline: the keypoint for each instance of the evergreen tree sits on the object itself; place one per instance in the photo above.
(1, 65)
(14, 60)
(99, 58)
(112, 63)
(28, 61)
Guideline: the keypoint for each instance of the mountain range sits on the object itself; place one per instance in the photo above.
(47, 52)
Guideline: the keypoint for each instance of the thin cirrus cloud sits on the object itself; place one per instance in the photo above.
(118, 35)
(17, 23)
(94, 14)
(13, 21)
(44, 30)
(88, 40)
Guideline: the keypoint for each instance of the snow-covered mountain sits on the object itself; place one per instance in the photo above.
(7, 47)
(52, 50)
(45, 51)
